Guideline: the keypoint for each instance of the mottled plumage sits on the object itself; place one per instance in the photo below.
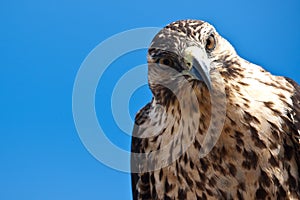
(257, 153)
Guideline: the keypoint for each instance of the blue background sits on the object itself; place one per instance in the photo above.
(42, 44)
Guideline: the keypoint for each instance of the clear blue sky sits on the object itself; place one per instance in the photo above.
(42, 45)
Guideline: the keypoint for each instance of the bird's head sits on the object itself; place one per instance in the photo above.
(187, 48)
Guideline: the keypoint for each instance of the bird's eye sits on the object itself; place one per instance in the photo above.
(210, 43)
(165, 61)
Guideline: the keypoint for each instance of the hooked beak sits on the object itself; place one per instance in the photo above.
(199, 68)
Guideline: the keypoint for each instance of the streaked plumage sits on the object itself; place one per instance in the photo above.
(257, 154)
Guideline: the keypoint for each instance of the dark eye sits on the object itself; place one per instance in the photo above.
(210, 43)
(165, 61)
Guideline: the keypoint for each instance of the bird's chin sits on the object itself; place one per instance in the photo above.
(194, 82)
(198, 83)
(194, 78)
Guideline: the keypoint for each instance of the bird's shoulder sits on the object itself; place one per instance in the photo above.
(294, 113)
(293, 121)
(141, 118)
(143, 114)
(295, 95)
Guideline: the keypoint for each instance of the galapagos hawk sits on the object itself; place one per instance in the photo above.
(218, 126)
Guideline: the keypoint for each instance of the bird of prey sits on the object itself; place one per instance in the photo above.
(218, 126)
